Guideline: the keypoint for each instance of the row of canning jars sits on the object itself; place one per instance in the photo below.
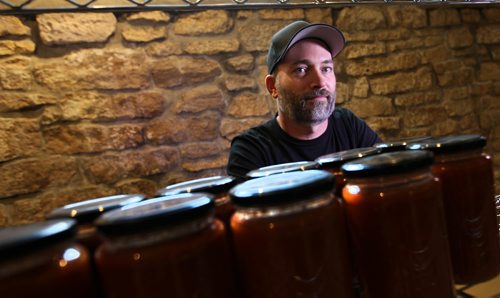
(400, 224)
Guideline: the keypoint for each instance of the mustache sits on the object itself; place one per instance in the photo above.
(318, 92)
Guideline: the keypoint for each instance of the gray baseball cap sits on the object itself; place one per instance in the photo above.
(284, 39)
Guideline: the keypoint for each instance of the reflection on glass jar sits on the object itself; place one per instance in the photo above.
(289, 236)
(43, 260)
(397, 226)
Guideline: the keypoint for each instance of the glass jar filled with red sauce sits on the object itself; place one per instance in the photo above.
(333, 161)
(466, 173)
(165, 247)
(398, 145)
(43, 260)
(282, 168)
(85, 212)
(290, 238)
(397, 226)
(218, 186)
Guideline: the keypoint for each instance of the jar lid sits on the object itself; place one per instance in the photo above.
(398, 145)
(283, 168)
(451, 143)
(24, 238)
(213, 185)
(154, 213)
(387, 163)
(282, 188)
(89, 210)
(336, 159)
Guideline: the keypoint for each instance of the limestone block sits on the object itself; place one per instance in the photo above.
(248, 104)
(380, 124)
(15, 73)
(447, 127)
(5, 216)
(164, 49)
(114, 167)
(343, 93)
(361, 17)
(33, 175)
(199, 99)
(409, 16)
(353, 51)
(470, 15)
(361, 87)
(144, 32)
(319, 15)
(175, 71)
(20, 138)
(488, 34)
(13, 101)
(435, 54)
(152, 16)
(230, 128)
(167, 130)
(11, 25)
(417, 98)
(495, 53)
(489, 71)
(492, 14)
(257, 36)
(460, 38)
(243, 62)
(444, 17)
(212, 46)
(392, 34)
(145, 187)
(402, 82)
(424, 116)
(86, 138)
(205, 22)
(205, 163)
(95, 69)
(16, 47)
(106, 107)
(456, 77)
(281, 14)
(370, 66)
(371, 106)
(199, 149)
(239, 82)
(71, 28)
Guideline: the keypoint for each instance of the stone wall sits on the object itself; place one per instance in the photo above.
(94, 104)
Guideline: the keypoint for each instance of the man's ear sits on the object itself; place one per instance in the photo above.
(271, 86)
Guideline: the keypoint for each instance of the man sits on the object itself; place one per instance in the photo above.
(301, 79)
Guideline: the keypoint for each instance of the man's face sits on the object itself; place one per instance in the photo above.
(305, 83)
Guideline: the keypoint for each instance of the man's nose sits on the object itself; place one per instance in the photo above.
(318, 79)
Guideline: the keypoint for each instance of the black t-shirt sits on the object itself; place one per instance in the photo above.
(267, 144)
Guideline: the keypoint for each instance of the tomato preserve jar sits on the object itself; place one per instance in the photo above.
(466, 173)
(333, 161)
(85, 212)
(43, 260)
(218, 186)
(165, 247)
(397, 226)
(290, 238)
(282, 168)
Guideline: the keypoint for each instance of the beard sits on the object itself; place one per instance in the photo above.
(302, 108)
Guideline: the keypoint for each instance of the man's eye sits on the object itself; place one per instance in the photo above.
(328, 69)
(300, 70)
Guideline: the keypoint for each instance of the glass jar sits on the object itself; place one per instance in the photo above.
(398, 145)
(218, 186)
(466, 173)
(282, 168)
(85, 212)
(42, 260)
(333, 161)
(165, 247)
(397, 226)
(289, 236)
